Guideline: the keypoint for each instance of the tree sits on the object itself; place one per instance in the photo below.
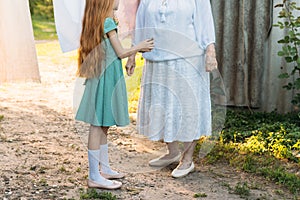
(18, 60)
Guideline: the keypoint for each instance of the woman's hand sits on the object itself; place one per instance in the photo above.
(146, 45)
(211, 63)
(130, 65)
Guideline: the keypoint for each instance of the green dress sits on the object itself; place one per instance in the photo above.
(104, 101)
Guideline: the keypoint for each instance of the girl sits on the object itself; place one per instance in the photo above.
(104, 102)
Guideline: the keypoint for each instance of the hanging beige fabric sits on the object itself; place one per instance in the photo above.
(18, 60)
(247, 54)
(241, 30)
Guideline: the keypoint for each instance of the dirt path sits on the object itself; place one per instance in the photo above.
(43, 150)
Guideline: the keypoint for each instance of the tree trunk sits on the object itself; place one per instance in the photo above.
(18, 60)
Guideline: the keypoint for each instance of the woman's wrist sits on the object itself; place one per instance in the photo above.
(132, 57)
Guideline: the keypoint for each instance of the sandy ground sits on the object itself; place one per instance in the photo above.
(44, 155)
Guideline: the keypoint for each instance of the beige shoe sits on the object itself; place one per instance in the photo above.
(112, 176)
(93, 184)
(158, 162)
(177, 173)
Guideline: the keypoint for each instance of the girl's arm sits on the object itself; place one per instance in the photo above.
(144, 46)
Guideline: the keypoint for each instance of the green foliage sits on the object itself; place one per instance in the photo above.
(43, 19)
(290, 45)
(264, 165)
(1, 117)
(42, 8)
(260, 133)
(280, 175)
(200, 195)
(93, 194)
(260, 143)
(43, 29)
(250, 164)
(242, 189)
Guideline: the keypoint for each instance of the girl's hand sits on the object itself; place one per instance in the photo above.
(146, 45)
(130, 65)
(211, 63)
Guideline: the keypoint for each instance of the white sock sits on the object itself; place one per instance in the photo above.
(104, 161)
(94, 174)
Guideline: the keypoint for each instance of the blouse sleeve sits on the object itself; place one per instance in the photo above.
(139, 23)
(204, 23)
(109, 25)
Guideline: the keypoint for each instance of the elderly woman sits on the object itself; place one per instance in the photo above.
(174, 103)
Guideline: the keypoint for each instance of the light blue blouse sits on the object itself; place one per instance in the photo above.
(180, 28)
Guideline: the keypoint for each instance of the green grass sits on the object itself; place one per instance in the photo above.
(43, 29)
(278, 171)
(93, 194)
(265, 144)
(281, 176)
(200, 195)
(242, 189)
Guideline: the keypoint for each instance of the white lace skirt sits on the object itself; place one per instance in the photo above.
(175, 101)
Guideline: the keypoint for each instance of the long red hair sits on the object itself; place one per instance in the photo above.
(91, 52)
